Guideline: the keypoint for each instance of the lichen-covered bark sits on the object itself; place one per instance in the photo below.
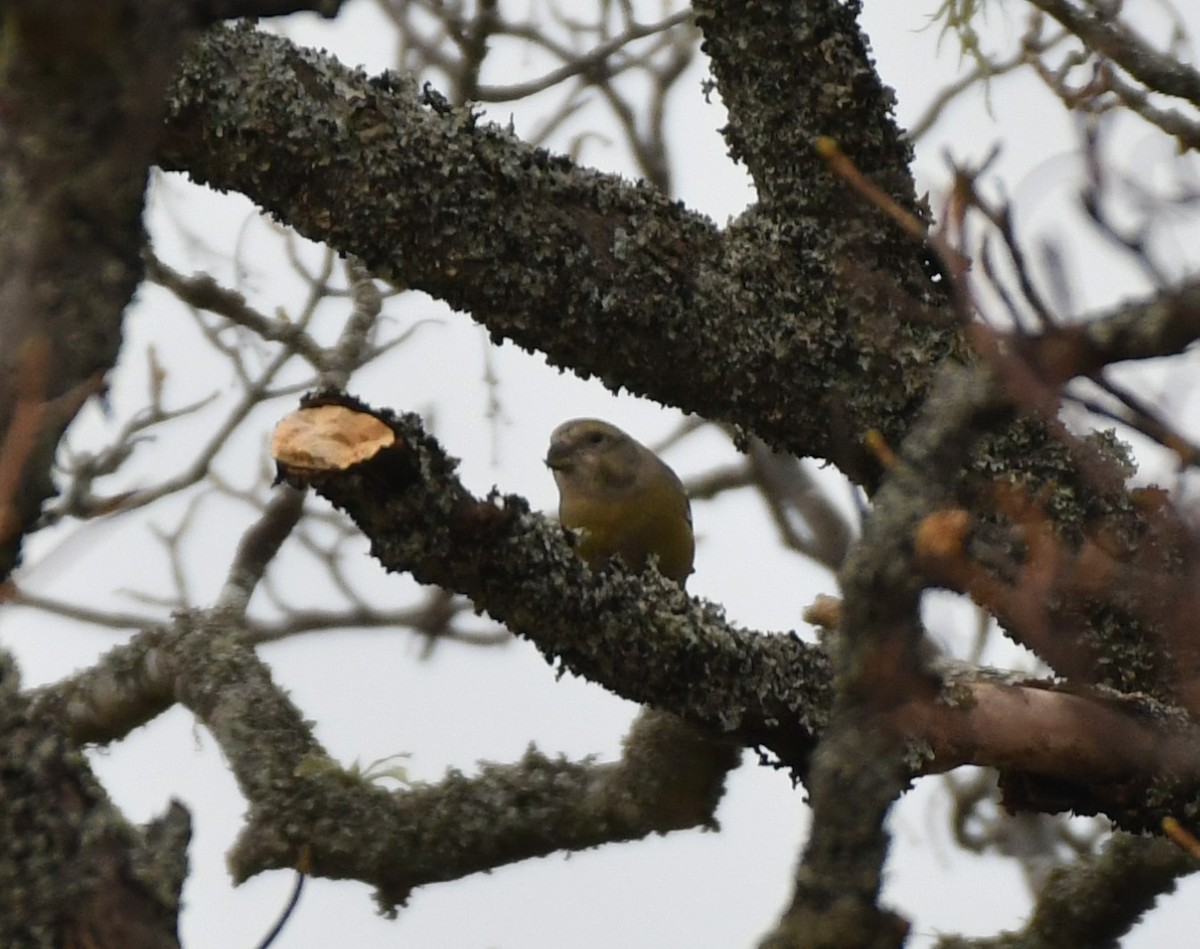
(307, 811)
(646, 640)
(643, 637)
(72, 871)
(791, 74)
(765, 324)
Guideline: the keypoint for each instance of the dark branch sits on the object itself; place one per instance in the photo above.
(605, 277)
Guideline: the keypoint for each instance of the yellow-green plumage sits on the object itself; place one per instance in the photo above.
(621, 498)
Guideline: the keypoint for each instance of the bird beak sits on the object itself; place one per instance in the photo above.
(556, 457)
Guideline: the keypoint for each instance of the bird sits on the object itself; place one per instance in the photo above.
(621, 499)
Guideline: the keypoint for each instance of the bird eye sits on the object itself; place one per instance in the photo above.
(595, 438)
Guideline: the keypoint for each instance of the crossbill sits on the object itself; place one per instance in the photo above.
(621, 499)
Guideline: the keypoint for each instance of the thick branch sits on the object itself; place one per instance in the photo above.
(670, 777)
(792, 73)
(642, 637)
(605, 277)
(74, 872)
(307, 811)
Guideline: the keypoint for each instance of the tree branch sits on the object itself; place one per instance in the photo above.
(605, 277)
(644, 639)
(1109, 37)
